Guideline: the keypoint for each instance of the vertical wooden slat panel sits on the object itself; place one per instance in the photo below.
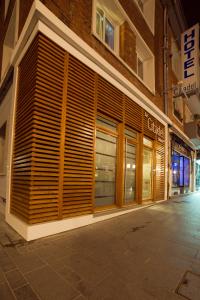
(38, 132)
(24, 139)
(79, 140)
(160, 171)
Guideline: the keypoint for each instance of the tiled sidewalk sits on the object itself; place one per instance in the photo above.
(142, 255)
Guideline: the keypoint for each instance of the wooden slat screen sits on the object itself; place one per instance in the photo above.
(39, 107)
(47, 126)
(133, 114)
(160, 171)
(54, 145)
(79, 140)
(23, 144)
(109, 99)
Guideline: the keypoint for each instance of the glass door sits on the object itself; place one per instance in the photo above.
(106, 158)
(147, 184)
(130, 170)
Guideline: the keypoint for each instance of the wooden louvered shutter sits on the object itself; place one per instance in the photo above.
(133, 114)
(109, 99)
(79, 140)
(160, 171)
(23, 140)
(39, 109)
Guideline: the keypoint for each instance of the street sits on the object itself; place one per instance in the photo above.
(152, 253)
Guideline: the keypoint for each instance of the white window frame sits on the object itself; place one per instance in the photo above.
(141, 60)
(15, 15)
(113, 23)
(150, 23)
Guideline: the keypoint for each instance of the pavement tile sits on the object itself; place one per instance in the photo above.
(2, 277)
(28, 262)
(15, 279)
(5, 292)
(50, 286)
(6, 264)
(25, 293)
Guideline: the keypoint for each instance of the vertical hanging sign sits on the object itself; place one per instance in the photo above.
(190, 59)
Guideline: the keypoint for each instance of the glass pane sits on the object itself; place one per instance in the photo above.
(105, 169)
(147, 174)
(109, 34)
(99, 23)
(107, 123)
(106, 147)
(181, 171)
(147, 142)
(130, 133)
(186, 171)
(175, 169)
(130, 169)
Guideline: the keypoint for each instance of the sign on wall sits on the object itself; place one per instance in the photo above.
(190, 59)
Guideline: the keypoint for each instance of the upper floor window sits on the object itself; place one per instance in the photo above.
(176, 59)
(105, 28)
(10, 39)
(147, 7)
(145, 64)
(107, 19)
(178, 108)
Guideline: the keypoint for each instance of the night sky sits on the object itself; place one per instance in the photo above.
(191, 11)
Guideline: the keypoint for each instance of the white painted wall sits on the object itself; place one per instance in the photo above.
(5, 113)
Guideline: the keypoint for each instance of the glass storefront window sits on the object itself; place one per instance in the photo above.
(147, 142)
(105, 175)
(130, 170)
(147, 174)
(180, 170)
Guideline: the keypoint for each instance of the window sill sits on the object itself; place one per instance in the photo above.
(123, 62)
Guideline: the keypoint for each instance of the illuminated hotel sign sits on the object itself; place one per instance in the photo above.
(190, 60)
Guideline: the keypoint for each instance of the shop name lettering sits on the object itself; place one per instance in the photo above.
(153, 127)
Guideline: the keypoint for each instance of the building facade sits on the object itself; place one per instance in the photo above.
(86, 106)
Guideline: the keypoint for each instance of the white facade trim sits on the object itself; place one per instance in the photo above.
(33, 232)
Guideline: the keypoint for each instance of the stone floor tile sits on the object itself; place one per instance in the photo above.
(28, 262)
(5, 292)
(49, 285)
(6, 264)
(25, 293)
(15, 279)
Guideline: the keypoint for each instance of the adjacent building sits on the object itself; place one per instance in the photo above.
(89, 125)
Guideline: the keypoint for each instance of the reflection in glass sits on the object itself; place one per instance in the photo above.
(147, 174)
(130, 169)
(105, 169)
(109, 34)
